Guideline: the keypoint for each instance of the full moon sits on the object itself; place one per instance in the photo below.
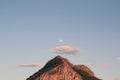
(61, 41)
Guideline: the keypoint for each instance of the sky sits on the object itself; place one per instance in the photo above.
(35, 31)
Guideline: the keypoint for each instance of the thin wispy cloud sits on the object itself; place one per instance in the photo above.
(118, 59)
(30, 65)
(117, 78)
(104, 65)
(65, 50)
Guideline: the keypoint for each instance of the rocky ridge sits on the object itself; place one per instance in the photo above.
(60, 68)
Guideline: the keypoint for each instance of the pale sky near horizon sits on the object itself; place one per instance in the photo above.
(29, 29)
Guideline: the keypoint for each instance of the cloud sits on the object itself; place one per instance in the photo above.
(117, 78)
(65, 50)
(118, 59)
(104, 65)
(30, 65)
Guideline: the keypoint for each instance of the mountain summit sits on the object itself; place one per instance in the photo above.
(60, 68)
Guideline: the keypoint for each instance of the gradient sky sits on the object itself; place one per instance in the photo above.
(30, 28)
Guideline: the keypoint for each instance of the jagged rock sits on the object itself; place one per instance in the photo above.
(60, 68)
(85, 69)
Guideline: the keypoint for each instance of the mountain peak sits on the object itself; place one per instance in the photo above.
(60, 68)
(58, 56)
(58, 59)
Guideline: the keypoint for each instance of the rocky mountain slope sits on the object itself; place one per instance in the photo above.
(60, 68)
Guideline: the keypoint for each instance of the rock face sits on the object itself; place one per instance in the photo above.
(60, 68)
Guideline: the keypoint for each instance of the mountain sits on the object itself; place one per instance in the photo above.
(60, 68)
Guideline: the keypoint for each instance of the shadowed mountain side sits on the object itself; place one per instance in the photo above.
(60, 68)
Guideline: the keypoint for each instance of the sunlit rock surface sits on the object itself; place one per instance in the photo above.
(60, 68)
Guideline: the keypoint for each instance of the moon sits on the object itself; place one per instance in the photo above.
(60, 40)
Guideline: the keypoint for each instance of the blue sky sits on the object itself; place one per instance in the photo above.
(30, 28)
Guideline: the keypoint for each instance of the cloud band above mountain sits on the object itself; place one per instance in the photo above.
(65, 50)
